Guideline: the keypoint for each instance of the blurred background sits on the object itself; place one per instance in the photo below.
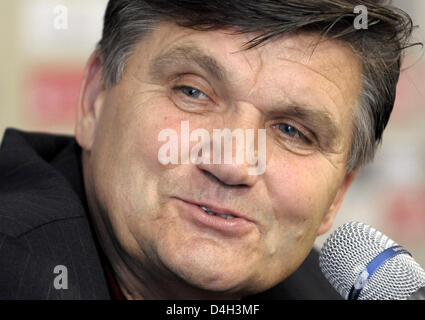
(44, 47)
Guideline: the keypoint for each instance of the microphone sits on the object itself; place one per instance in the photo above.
(362, 263)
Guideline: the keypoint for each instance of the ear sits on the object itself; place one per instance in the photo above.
(90, 102)
(328, 219)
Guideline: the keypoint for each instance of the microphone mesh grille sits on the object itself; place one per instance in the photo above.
(349, 250)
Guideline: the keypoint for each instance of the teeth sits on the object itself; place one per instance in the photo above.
(212, 213)
(227, 216)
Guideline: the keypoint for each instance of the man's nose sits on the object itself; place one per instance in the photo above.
(230, 174)
(236, 154)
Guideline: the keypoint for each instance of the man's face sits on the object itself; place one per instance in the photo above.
(151, 212)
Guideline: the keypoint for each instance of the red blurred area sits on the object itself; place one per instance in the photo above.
(52, 95)
(404, 214)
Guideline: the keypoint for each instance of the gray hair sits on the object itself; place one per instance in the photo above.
(379, 47)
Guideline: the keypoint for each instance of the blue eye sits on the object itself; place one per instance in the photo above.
(192, 92)
(290, 130)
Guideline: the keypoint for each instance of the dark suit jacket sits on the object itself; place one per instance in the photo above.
(44, 223)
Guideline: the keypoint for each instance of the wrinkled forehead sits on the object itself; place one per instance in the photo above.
(333, 60)
(297, 74)
(301, 69)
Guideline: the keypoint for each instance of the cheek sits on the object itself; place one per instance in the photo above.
(158, 117)
(124, 159)
(301, 191)
(301, 187)
(143, 168)
(125, 152)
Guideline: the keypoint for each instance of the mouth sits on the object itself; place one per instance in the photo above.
(212, 213)
(220, 219)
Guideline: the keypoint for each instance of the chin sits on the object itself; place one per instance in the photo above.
(206, 269)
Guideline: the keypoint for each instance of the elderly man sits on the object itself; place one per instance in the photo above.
(102, 216)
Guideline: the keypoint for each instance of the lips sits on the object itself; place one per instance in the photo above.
(218, 211)
(220, 219)
(210, 212)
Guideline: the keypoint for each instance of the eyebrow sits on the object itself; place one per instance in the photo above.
(182, 55)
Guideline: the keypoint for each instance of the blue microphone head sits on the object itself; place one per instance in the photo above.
(362, 263)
